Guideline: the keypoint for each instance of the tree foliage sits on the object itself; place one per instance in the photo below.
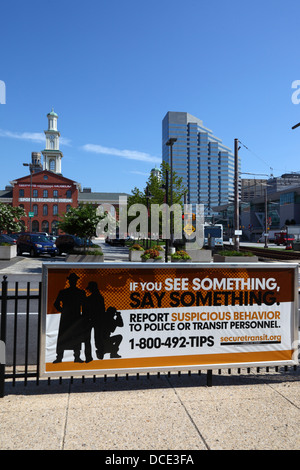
(10, 218)
(81, 221)
(157, 189)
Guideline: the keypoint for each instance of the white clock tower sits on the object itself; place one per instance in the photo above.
(52, 154)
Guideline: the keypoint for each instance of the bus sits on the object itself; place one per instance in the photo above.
(216, 234)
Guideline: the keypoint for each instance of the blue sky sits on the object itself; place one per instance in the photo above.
(112, 69)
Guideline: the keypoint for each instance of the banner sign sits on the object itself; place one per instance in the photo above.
(120, 318)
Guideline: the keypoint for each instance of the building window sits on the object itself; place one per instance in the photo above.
(45, 209)
(21, 192)
(68, 207)
(35, 209)
(52, 161)
(35, 193)
(35, 226)
(69, 194)
(55, 209)
(45, 193)
(45, 226)
(54, 229)
(55, 193)
(287, 198)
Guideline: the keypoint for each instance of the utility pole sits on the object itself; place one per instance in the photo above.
(266, 219)
(236, 195)
(167, 203)
(170, 144)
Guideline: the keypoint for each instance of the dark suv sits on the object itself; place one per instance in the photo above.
(69, 243)
(35, 245)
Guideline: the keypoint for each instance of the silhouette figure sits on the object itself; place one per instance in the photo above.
(93, 313)
(70, 302)
(110, 344)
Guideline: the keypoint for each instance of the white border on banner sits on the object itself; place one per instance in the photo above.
(295, 321)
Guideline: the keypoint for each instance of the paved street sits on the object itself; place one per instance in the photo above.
(25, 265)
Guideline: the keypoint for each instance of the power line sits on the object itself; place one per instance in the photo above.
(251, 151)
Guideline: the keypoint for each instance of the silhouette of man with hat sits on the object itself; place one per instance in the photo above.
(93, 314)
(70, 302)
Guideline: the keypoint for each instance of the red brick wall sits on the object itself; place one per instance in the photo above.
(44, 181)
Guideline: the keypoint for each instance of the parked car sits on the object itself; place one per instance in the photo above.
(15, 236)
(35, 245)
(68, 243)
(7, 239)
(42, 233)
(115, 240)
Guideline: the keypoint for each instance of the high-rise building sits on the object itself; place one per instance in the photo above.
(199, 157)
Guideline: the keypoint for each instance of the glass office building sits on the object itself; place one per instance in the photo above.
(204, 163)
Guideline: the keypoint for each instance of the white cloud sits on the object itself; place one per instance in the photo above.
(32, 136)
(141, 173)
(65, 141)
(129, 154)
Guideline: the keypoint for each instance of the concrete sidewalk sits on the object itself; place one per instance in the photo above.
(257, 411)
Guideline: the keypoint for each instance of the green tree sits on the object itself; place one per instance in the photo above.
(10, 218)
(155, 190)
(156, 187)
(81, 221)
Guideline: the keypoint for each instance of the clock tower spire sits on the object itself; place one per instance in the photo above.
(52, 154)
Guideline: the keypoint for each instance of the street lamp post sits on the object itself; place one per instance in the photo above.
(170, 144)
(148, 196)
(30, 198)
(166, 188)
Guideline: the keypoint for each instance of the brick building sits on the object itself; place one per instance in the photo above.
(45, 193)
(45, 196)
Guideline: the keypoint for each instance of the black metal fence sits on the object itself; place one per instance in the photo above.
(20, 335)
(20, 332)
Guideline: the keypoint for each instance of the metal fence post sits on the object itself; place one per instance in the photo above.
(3, 331)
(209, 378)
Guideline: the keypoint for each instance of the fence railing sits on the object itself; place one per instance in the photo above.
(20, 336)
(21, 333)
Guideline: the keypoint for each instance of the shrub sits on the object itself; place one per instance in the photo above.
(180, 254)
(235, 253)
(95, 252)
(151, 254)
(158, 248)
(136, 247)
